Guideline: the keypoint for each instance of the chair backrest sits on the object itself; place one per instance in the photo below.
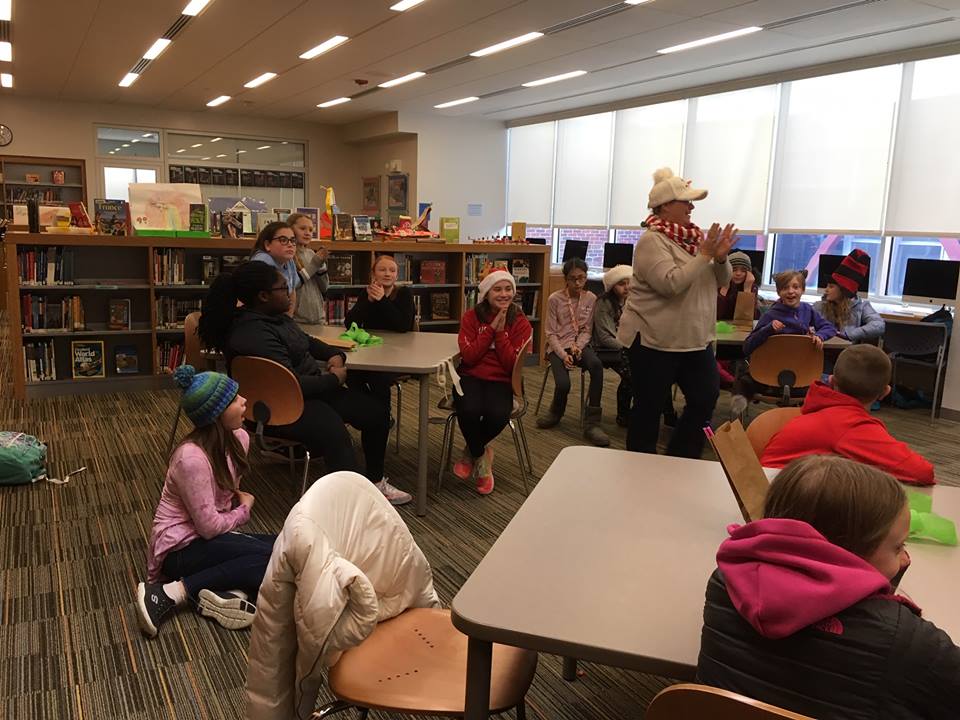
(906, 337)
(796, 353)
(516, 379)
(270, 385)
(700, 702)
(762, 428)
(192, 347)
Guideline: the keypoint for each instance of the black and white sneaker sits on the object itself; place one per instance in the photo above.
(227, 607)
(154, 606)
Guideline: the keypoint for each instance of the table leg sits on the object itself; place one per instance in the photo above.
(424, 446)
(477, 700)
(569, 669)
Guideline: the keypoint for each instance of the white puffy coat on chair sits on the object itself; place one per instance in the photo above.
(343, 562)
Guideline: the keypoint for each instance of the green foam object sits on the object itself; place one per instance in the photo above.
(724, 328)
(927, 525)
(361, 337)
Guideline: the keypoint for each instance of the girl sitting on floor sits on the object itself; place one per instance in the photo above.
(569, 329)
(606, 320)
(276, 246)
(195, 552)
(801, 611)
(855, 319)
(312, 267)
(491, 335)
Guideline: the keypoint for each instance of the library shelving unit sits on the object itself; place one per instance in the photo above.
(162, 278)
(16, 172)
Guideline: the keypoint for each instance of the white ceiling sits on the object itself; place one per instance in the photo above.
(79, 50)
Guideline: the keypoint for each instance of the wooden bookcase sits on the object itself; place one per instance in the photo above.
(15, 188)
(107, 267)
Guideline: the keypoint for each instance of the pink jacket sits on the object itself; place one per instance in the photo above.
(561, 332)
(192, 505)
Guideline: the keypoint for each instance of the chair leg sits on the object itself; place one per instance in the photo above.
(520, 460)
(362, 714)
(522, 710)
(173, 432)
(936, 388)
(445, 450)
(543, 386)
(569, 669)
(292, 462)
(331, 709)
(399, 414)
(583, 399)
(526, 447)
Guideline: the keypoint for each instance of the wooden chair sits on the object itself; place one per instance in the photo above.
(767, 424)
(787, 362)
(416, 663)
(700, 702)
(515, 424)
(193, 354)
(273, 398)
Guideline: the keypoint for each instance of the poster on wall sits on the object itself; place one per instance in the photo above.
(162, 206)
(397, 193)
(371, 194)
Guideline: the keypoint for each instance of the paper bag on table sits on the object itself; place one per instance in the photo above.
(742, 468)
(744, 310)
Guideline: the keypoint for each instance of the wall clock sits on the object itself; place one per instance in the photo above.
(6, 135)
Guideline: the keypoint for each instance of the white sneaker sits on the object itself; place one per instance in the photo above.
(395, 495)
(227, 608)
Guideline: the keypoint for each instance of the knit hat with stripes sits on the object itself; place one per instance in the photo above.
(205, 395)
(851, 272)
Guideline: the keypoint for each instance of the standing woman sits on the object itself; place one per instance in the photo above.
(312, 267)
(855, 319)
(491, 335)
(606, 320)
(276, 245)
(669, 321)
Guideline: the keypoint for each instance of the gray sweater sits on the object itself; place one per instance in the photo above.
(864, 323)
(606, 317)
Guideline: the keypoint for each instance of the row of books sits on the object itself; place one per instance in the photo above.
(37, 312)
(477, 266)
(86, 360)
(168, 266)
(169, 356)
(45, 265)
(22, 195)
(172, 311)
(337, 309)
(39, 361)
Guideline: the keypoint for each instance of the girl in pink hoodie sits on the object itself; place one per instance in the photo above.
(801, 612)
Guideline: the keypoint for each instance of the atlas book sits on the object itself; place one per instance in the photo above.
(112, 217)
(127, 362)
(119, 317)
(87, 359)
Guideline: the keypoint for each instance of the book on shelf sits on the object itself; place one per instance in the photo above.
(39, 313)
(45, 265)
(126, 360)
(501, 264)
(470, 299)
(168, 266)
(209, 269)
(336, 311)
(520, 268)
(87, 359)
(340, 269)
(433, 272)
(231, 224)
(342, 227)
(119, 314)
(450, 229)
(417, 308)
(528, 301)
(281, 214)
(229, 263)
(39, 361)
(351, 300)
(112, 217)
(518, 232)
(171, 312)
(199, 217)
(361, 228)
(439, 306)
(78, 215)
(475, 267)
(404, 267)
(169, 355)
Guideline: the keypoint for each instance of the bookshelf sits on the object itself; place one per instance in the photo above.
(161, 277)
(17, 173)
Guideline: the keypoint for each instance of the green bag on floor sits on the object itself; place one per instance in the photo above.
(22, 459)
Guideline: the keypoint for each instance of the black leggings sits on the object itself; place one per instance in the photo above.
(321, 429)
(377, 384)
(483, 411)
(561, 376)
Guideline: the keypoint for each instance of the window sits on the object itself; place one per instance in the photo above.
(925, 248)
(596, 237)
(530, 173)
(627, 235)
(126, 143)
(117, 179)
(796, 252)
(583, 170)
(833, 151)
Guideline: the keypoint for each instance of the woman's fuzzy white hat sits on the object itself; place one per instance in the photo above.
(492, 279)
(668, 187)
(616, 274)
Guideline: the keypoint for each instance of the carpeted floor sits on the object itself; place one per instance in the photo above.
(70, 557)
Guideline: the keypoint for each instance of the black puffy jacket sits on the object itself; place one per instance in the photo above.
(876, 659)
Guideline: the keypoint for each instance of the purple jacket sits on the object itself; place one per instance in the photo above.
(797, 321)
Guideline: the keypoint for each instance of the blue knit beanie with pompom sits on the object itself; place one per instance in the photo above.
(205, 395)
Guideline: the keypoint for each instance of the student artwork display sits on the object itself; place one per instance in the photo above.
(371, 194)
(87, 359)
(397, 193)
(162, 206)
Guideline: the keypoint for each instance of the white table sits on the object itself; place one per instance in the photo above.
(413, 353)
(608, 561)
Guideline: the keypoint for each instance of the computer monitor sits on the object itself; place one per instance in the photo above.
(537, 241)
(756, 259)
(931, 282)
(617, 254)
(829, 265)
(575, 249)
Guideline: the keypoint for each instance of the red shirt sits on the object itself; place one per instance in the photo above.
(488, 355)
(832, 423)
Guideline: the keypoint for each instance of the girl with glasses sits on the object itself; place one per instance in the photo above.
(276, 246)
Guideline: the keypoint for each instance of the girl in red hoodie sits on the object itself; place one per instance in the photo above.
(491, 335)
(801, 612)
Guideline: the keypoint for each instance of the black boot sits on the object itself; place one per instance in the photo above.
(624, 396)
(557, 408)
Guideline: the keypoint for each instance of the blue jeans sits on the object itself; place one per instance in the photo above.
(232, 561)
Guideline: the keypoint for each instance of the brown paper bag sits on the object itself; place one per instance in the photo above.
(744, 472)
(744, 311)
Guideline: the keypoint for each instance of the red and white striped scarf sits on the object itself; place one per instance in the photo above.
(688, 237)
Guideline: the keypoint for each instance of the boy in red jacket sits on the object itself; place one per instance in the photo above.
(836, 420)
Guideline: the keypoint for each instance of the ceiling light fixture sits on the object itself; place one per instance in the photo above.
(194, 7)
(196, 145)
(147, 135)
(405, 5)
(461, 101)
(128, 79)
(206, 158)
(401, 80)
(110, 153)
(218, 101)
(222, 155)
(324, 47)
(6, 9)
(158, 47)
(260, 80)
(217, 139)
(182, 150)
(507, 44)
(555, 78)
(635, 2)
(125, 145)
(263, 147)
(331, 103)
(116, 149)
(6, 51)
(240, 152)
(6, 80)
(135, 140)
(710, 40)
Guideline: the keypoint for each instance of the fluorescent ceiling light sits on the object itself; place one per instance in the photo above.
(6, 80)
(405, 5)
(158, 47)
(324, 47)
(260, 80)
(218, 101)
(217, 139)
(401, 80)
(194, 7)
(263, 147)
(240, 151)
(116, 149)
(129, 79)
(507, 44)
(125, 145)
(196, 145)
(110, 153)
(555, 78)
(182, 150)
(6, 7)
(331, 103)
(147, 135)
(635, 2)
(206, 158)
(461, 101)
(222, 155)
(6, 51)
(135, 140)
(711, 39)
